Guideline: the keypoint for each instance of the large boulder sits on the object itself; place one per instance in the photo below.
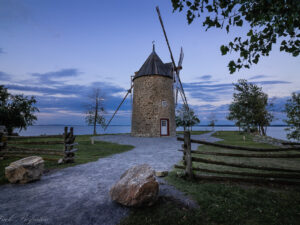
(25, 170)
(136, 187)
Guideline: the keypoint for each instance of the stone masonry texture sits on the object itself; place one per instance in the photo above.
(148, 94)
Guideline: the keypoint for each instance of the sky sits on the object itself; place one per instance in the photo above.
(60, 50)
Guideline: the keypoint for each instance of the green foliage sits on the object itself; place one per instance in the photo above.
(16, 111)
(292, 109)
(212, 124)
(249, 107)
(91, 117)
(186, 117)
(269, 21)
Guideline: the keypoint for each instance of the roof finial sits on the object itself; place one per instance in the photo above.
(153, 43)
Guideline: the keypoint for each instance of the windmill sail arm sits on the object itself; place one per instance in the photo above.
(172, 58)
(128, 92)
(165, 34)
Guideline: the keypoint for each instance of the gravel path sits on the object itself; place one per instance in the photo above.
(79, 195)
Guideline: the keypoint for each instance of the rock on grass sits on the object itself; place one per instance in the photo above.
(25, 170)
(136, 187)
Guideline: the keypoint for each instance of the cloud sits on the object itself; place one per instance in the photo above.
(1, 51)
(57, 96)
(51, 77)
(208, 92)
(4, 76)
(58, 74)
(258, 77)
(205, 77)
(270, 82)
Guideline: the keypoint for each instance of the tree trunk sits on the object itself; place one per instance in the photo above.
(263, 132)
(9, 130)
(95, 117)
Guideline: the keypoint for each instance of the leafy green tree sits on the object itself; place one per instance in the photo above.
(269, 21)
(249, 108)
(186, 118)
(95, 112)
(16, 111)
(292, 109)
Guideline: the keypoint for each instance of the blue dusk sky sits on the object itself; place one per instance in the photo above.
(59, 50)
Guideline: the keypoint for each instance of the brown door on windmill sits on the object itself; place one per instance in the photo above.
(164, 127)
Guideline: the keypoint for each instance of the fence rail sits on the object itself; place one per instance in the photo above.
(287, 176)
(41, 136)
(9, 147)
(36, 142)
(248, 174)
(233, 147)
(246, 155)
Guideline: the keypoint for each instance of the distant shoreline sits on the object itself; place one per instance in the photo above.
(276, 125)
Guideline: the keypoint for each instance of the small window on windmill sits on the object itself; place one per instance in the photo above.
(164, 103)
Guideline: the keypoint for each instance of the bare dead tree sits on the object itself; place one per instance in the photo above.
(95, 110)
(212, 120)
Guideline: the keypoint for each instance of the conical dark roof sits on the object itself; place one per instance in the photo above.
(154, 66)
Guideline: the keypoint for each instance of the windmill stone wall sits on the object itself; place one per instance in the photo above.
(153, 99)
(148, 108)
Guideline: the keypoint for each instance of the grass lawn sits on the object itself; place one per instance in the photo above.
(86, 152)
(235, 138)
(227, 203)
(194, 132)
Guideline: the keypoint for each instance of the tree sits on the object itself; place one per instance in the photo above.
(16, 111)
(212, 120)
(249, 108)
(292, 109)
(268, 21)
(186, 118)
(95, 112)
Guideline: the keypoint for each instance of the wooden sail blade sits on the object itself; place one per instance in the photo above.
(176, 96)
(129, 91)
(173, 62)
(180, 58)
(165, 34)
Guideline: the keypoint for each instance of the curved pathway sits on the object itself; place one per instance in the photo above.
(79, 195)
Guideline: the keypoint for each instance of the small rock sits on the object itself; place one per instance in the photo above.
(161, 173)
(136, 187)
(25, 170)
(60, 161)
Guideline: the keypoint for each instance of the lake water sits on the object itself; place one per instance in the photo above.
(276, 132)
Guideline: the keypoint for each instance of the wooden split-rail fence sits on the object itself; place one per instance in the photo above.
(14, 146)
(285, 176)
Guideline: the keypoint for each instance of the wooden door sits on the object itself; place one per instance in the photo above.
(164, 127)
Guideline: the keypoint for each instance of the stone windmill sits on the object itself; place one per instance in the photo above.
(155, 89)
(153, 109)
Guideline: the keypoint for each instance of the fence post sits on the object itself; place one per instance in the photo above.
(188, 156)
(3, 138)
(68, 143)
